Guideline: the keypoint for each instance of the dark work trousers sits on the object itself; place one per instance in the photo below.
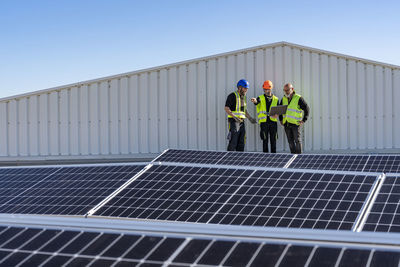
(269, 130)
(294, 137)
(236, 136)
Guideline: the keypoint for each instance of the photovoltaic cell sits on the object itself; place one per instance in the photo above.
(252, 159)
(243, 197)
(99, 249)
(385, 213)
(63, 190)
(330, 162)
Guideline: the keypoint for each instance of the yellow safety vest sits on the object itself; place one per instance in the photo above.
(238, 113)
(293, 113)
(262, 108)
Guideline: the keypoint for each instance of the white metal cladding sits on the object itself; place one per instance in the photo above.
(182, 106)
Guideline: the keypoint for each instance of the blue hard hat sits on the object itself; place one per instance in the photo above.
(244, 83)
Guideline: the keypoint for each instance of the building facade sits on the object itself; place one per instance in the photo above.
(181, 105)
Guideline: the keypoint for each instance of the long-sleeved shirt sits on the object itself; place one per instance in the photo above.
(303, 106)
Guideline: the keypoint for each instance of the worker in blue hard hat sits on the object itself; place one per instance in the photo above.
(235, 107)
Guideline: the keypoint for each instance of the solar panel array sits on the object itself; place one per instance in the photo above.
(64, 191)
(209, 188)
(57, 247)
(243, 197)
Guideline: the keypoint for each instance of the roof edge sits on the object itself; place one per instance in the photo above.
(244, 50)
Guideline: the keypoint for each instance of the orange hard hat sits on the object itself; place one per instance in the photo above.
(267, 84)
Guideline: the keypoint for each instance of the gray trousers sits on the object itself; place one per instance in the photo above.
(293, 134)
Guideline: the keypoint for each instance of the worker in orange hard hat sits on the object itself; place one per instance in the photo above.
(268, 124)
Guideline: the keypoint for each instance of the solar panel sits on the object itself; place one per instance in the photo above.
(330, 162)
(383, 163)
(298, 200)
(252, 159)
(243, 197)
(176, 193)
(57, 247)
(62, 190)
(385, 212)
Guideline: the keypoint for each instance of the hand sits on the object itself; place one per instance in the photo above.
(254, 100)
(275, 116)
(301, 122)
(237, 119)
(281, 123)
(252, 120)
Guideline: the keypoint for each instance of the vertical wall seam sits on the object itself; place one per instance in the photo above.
(129, 118)
(48, 123)
(187, 105)
(78, 106)
(139, 112)
(8, 128)
(168, 104)
(108, 122)
(392, 119)
(119, 119)
(28, 126)
(357, 130)
(69, 132)
(158, 112)
(348, 106)
(38, 125)
(375, 112)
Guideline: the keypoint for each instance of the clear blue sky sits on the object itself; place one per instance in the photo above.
(44, 44)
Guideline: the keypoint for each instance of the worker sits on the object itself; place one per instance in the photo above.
(268, 124)
(296, 115)
(235, 107)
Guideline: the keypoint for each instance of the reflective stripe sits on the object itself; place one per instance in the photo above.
(296, 118)
(262, 118)
(239, 114)
(295, 110)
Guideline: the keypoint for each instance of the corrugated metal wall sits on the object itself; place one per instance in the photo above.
(182, 106)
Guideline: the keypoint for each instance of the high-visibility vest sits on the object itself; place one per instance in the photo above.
(293, 113)
(262, 108)
(238, 113)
